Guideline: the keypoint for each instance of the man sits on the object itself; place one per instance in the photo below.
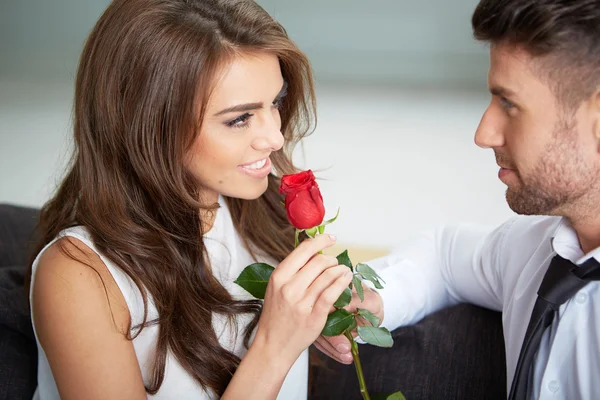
(543, 124)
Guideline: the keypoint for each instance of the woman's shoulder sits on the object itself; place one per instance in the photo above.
(72, 248)
(71, 257)
(81, 319)
(69, 273)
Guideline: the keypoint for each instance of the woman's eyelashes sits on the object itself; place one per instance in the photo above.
(278, 102)
(240, 122)
(243, 120)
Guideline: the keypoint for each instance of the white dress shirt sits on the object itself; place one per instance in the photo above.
(501, 269)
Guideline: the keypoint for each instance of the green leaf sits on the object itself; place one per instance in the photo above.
(369, 274)
(369, 316)
(393, 396)
(255, 278)
(332, 219)
(312, 232)
(296, 236)
(359, 288)
(343, 259)
(380, 337)
(396, 396)
(353, 325)
(321, 229)
(344, 299)
(337, 322)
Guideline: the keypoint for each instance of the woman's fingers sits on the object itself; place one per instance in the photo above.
(302, 255)
(327, 288)
(313, 269)
(327, 278)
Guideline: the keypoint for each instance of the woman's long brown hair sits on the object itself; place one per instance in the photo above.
(142, 85)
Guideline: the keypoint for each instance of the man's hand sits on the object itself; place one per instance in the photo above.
(338, 347)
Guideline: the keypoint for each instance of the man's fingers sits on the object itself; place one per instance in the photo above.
(338, 346)
(356, 302)
(323, 348)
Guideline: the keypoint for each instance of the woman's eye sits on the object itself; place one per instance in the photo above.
(240, 121)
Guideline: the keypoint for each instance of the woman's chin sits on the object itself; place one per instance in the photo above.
(249, 192)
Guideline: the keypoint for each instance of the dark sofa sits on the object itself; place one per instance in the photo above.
(457, 353)
(18, 352)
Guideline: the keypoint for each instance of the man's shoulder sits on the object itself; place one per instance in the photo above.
(524, 234)
(531, 227)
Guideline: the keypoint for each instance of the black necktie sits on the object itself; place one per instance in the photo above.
(562, 280)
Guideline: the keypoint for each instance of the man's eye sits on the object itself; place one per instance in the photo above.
(506, 104)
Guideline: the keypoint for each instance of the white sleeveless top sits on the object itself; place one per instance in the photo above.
(228, 258)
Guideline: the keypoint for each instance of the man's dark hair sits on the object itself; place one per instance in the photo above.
(563, 34)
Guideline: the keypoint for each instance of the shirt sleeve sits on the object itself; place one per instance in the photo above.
(440, 268)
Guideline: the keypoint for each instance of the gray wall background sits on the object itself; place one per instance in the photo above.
(400, 85)
(396, 42)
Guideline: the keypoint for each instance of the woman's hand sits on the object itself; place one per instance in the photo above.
(300, 295)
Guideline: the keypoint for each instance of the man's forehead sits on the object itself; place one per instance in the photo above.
(510, 68)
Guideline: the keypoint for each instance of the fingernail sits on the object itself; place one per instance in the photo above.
(332, 237)
(347, 357)
(343, 348)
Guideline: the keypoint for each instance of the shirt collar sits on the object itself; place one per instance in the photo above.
(566, 244)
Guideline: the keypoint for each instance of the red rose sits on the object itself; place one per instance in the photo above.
(303, 200)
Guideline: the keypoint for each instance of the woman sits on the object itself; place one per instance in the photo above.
(182, 109)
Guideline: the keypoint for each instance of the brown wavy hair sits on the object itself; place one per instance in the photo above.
(563, 35)
(146, 69)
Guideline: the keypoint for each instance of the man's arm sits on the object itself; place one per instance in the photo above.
(431, 271)
(440, 268)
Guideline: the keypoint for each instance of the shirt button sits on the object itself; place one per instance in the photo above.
(581, 298)
(553, 386)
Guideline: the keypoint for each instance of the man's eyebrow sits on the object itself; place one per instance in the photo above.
(501, 91)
